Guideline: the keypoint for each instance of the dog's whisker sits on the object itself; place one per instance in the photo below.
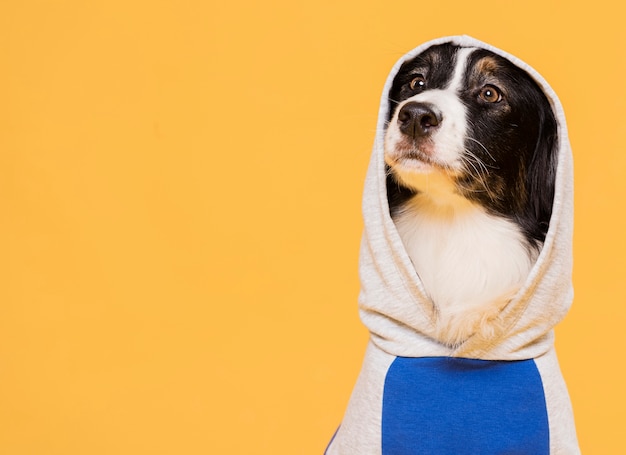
(476, 163)
(483, 147)
(471, 163)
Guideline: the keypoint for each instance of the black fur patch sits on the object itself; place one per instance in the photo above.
(434, 64)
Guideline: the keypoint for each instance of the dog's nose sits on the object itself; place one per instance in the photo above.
(418, 119)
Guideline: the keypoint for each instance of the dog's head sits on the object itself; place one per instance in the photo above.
(473, 119)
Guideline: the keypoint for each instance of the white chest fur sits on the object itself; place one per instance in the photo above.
(470, 263)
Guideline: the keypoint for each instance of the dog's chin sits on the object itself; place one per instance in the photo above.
(411, 164)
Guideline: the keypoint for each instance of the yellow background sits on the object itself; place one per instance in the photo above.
(180, 188)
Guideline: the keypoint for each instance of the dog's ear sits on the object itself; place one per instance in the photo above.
(542, 170)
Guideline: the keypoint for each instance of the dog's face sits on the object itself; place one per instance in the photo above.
(474, 119)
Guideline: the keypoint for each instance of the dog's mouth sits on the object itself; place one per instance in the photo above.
(414, 158)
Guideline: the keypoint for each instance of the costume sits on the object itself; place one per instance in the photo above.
(415, 395)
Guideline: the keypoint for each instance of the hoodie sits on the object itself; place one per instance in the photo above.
(502, 394)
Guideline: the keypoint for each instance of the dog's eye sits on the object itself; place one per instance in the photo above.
(418, 82)
(490, 94)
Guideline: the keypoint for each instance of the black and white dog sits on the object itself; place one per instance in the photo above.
(470, 148)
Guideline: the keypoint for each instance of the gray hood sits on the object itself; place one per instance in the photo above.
(393, 303)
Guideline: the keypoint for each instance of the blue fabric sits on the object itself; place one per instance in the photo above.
(453, 406)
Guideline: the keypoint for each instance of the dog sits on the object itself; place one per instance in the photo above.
(470, 151)
(465, 261)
